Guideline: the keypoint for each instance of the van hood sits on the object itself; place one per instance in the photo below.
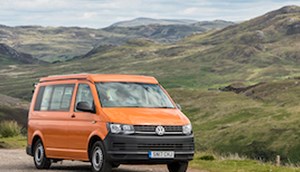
(146, 116)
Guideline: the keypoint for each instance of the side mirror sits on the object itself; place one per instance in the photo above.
(84, 107)
(178, 106)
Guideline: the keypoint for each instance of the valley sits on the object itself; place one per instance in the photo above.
(259, 122)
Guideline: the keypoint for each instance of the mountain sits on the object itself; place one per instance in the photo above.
(239, 85)
(263, 47)
(142, 21)
(167, 32)
(211, 25)
(266, 47)
(9, 55)
(54, 44)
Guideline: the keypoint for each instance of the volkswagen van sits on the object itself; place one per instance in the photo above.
(107, 120)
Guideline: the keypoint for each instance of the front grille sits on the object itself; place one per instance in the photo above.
(144, 128)
(150, 129)
(173, 128)
(153, 147)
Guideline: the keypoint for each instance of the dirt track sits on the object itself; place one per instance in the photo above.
(17, 160)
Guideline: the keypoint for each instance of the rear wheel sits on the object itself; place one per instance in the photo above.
(39, 157)
(98, 158)
(178, 166)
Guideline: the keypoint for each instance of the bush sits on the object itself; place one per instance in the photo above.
(207, 157)
(9, 129)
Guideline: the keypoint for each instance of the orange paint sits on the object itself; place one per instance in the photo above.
(66, 134)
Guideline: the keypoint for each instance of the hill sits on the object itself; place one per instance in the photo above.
(142, 21)
(258, 122)
(54, 44)
(260, 56)
(167, 32)
(13, 109)
(9, 55)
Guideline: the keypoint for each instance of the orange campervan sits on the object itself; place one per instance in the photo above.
(107, 120)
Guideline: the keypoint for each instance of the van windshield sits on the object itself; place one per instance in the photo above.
(128, 94)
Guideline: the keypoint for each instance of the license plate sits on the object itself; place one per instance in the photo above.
(161, 154)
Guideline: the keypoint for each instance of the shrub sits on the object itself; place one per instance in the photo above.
(207, 157)
(9, 129)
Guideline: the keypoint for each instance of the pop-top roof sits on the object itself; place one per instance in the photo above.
(102, 78)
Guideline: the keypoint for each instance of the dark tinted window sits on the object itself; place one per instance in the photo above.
(38, 101)
(54, 98)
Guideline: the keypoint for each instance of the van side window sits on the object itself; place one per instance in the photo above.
(57, 97)
(54, 98)
(84, 94)
(39, 97)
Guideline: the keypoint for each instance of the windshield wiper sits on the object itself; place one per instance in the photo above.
(164, 107)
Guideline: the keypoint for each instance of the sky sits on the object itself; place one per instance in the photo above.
(102, 13)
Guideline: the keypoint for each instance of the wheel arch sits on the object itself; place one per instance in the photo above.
(93, 139)
(36, 136)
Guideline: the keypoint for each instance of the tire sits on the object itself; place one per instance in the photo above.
(39, 156)
(115, 165)
(178, 166)
(98, 159)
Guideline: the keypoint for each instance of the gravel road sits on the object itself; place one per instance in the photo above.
(16, 160)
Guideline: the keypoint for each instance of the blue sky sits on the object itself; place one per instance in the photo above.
(102, 13)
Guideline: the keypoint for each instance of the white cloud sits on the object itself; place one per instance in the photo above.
(190, 11)
(101, 13)
(89, 15)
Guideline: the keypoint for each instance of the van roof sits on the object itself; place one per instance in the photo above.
(102, 78)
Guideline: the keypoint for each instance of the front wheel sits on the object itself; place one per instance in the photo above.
(40, 159)
(98, 158)
(178, 166)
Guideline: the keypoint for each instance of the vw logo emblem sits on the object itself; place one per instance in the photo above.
(160, 130)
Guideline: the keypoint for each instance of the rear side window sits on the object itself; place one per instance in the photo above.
(54, 98)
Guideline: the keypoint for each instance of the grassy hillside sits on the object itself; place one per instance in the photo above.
(165, 32)
(53, 44)
(260, 121)
(9, 55)
(13, 109)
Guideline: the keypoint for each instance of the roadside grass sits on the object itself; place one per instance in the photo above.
(10, 135)
(13, 142)
(234, 163)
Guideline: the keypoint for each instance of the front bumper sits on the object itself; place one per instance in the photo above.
(134, 149)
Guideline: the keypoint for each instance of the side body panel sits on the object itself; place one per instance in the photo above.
(83, 124)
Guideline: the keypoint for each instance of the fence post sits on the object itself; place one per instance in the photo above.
(278, 160)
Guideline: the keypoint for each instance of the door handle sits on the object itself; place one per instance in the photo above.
(73, 116)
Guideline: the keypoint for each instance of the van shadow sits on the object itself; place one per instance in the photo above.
(87, 168)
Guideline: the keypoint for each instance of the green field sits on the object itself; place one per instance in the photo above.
(234, 163)
(18, 142)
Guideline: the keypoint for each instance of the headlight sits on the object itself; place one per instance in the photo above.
(121, 128)
(187, 129)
